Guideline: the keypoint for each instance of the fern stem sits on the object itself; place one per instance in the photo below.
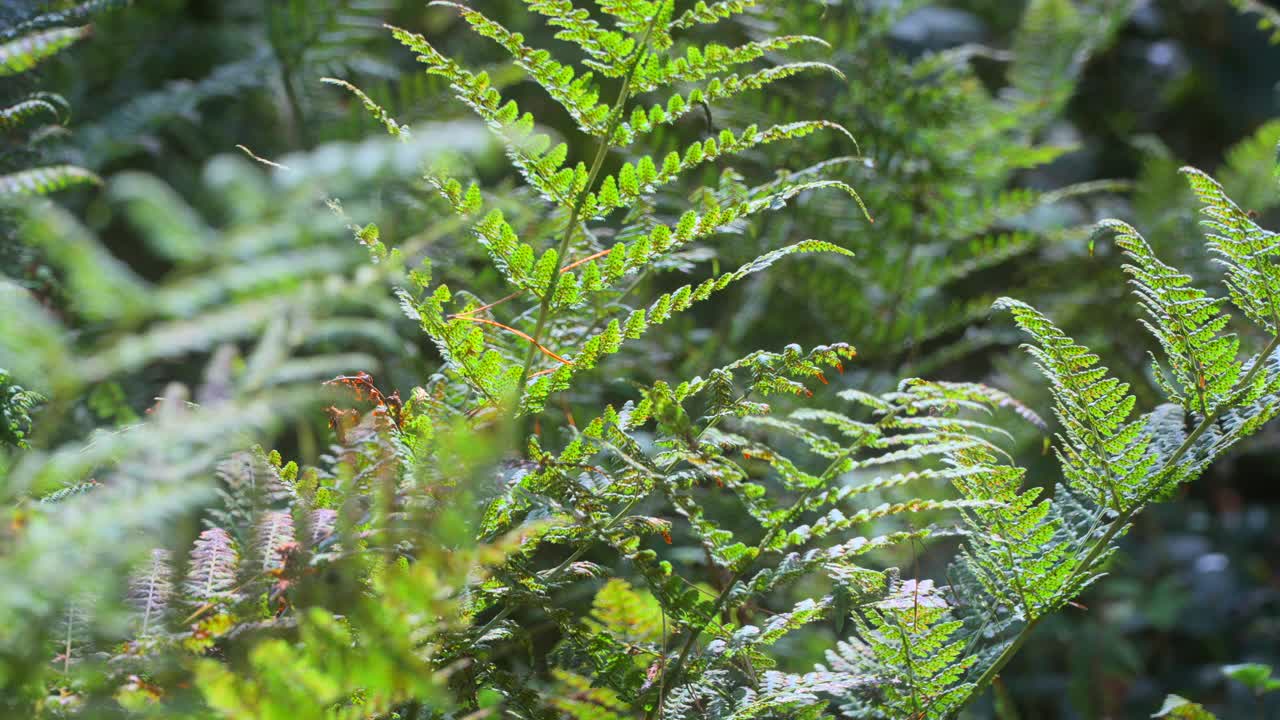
(606, 143)
(1123, 518)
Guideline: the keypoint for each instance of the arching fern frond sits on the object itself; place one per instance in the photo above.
(1104, 453)
(46, 180)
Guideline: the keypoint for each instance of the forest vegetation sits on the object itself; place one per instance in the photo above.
(648, 359)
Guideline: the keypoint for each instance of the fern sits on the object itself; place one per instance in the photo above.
(907, 639)
(472, 548)
(16, 405)
(557, 284)
(1122, 464)
(150, 591)
(933, 138)
(18, 56)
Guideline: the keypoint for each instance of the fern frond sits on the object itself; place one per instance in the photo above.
(578, 96)
(16, 406)
(150, 590)
(73, 15)
(716, 90)
(703, 13)
(33, 105)
(610, 340)
(20, 55)
(275, 539)
(393, 127)
(168, 224)
(608, 50)
(46, 180)
(712, 59)
(909, 644)
(528, 151)
(1103, 454)
(1244, 249)
(214, 563)
(646, 175)
(1188, 325)
(103, 286)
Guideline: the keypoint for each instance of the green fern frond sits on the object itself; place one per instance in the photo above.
(389, 122)
(1103, 453)
(20, 55)
(46, 180)
(33, 105)
(908, 642)
(74, 15)
(610, 340)
(703, 13)
(716, 90)
(102, 285)
(1188, 325)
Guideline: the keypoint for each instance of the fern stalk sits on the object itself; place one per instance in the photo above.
(606, 143)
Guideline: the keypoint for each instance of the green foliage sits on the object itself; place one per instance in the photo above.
(1180, 708)
(942, 161)
(1255, 676)
(24, 53)
(19, 54)
(472, 548)
(16, 405)
(1268, 17)
(568, 326)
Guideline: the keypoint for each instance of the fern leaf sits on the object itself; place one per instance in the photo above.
(717, 89)
(713, 59)
(214, 562)
(703, 13)
(24, 53)
(275, 538)
(608, 50)
(527, 150)
(103, 287)
(643, 177)
(578, 96)
(379, 113)
(610, 340)
(33, 105)
(1103, 454)
(1244, 249)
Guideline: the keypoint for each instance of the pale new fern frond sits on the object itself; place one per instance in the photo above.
(150, 592)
